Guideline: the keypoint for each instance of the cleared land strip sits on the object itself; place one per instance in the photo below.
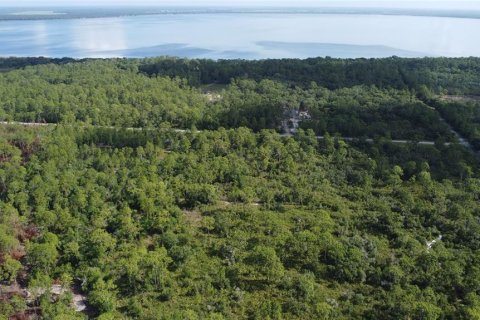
(461, 140)
(428, 143)
(42, 124)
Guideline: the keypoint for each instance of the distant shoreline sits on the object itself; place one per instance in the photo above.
(36, 13)
(14, 14)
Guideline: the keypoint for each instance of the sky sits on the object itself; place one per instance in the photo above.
(426, 4)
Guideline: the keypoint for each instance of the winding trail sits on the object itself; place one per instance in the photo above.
(399, 141)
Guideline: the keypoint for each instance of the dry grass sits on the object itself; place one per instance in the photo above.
(193, 217)
(452, 98)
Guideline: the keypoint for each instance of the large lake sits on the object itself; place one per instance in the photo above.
(243, 35)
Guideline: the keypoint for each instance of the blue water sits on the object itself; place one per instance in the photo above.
(243, 35)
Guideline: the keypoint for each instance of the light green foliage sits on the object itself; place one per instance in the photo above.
(9, 269)
(7, 241)
(235, 223)
(43, 255)
(102, 296)
(119, 97)
(150, 232)
(266, 264)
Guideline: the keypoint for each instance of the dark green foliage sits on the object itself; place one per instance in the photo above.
(457, 76)
(464, 115)
(7, 64)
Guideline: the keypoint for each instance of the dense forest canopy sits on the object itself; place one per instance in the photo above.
(123, 96)
(464, 114)
(453, 75)
(113, 212)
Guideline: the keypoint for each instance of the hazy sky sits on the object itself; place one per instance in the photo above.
(357, 3)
